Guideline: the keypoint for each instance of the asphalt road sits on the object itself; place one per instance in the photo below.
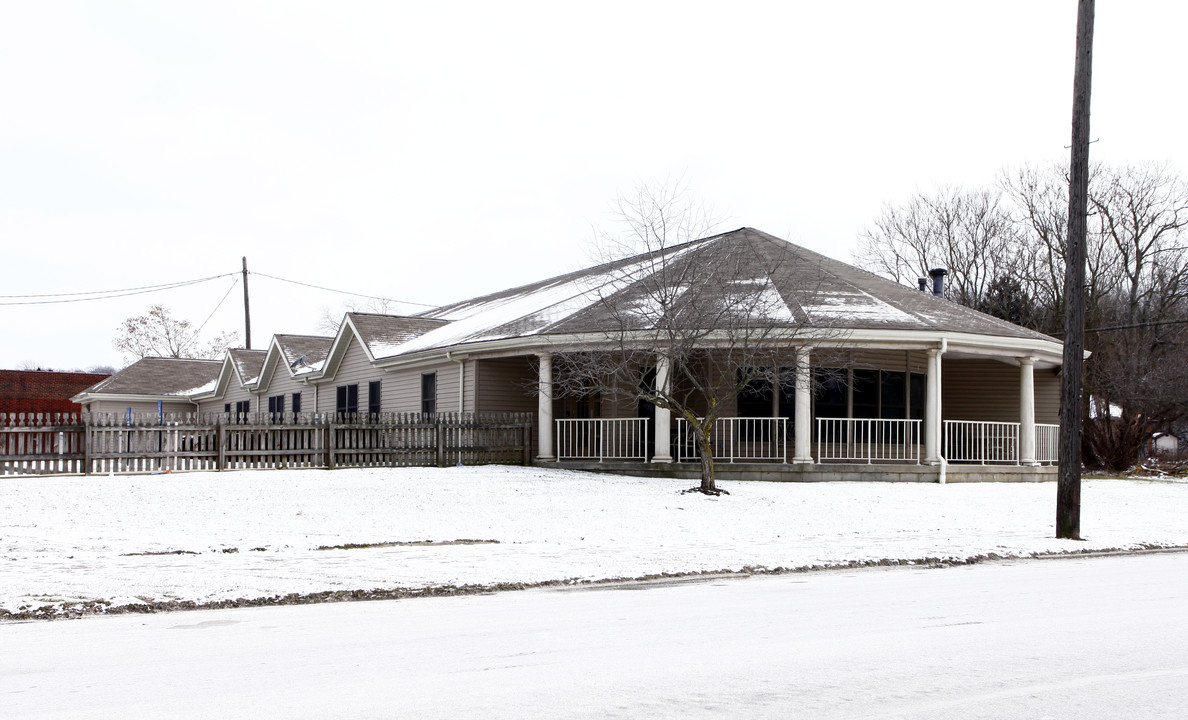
(1071, 638)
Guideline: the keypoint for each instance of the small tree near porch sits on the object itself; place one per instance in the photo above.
(712, 317)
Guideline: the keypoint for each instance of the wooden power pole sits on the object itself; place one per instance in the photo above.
(1068, 493)
(247, 310)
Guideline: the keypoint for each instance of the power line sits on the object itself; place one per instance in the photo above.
(234, 282)
(106, 294)
(1136, 326)
(344, 292)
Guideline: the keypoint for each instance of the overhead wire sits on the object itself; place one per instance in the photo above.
(343, 292)
(106, 294)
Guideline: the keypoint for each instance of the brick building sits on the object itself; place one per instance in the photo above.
(43, 391)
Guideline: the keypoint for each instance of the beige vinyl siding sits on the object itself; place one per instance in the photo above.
(233, 394)
(505, 385)
(355, 369)
(113, 406)
(238, 393)
(283, 384)
(1047, 397)
(402, 388)
(892, 360)
(988, 391)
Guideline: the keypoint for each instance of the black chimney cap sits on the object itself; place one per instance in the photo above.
(938, 272)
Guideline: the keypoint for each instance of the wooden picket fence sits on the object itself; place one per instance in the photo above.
(107, 443)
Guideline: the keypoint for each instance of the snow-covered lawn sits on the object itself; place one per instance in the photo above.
(209, 537)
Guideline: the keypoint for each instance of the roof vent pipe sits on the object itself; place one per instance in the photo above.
(938, 281)
(923, 284)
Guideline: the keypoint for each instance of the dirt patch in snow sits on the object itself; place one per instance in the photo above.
(105, 607)
(407, 543)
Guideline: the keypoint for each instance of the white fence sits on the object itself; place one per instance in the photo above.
(849, 440)
(981, 442)
(1047, 444)
(868, 440)
(610, 439)
(736, 439)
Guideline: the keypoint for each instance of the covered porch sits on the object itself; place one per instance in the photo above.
(934, 411)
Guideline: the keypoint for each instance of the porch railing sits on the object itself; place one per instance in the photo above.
(849, 440)
(1047, 444)
(868, 440)
(737, 439)
(972, 441)
(602, 439)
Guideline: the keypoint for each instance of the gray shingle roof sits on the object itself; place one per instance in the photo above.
(382, 333)
(805, 288)
(160, 376)
(310, 349)
(248, 363)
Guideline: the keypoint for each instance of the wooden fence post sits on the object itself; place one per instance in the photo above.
(221, 441)
(330, 440)
(86, 444)
(526, 441)
(437, 426)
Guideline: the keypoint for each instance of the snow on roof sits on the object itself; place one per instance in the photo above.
(203, 388)
(852, 304)
(533, 309)
(247, 363)
(303, 351)
(788, 284)
(160, 376)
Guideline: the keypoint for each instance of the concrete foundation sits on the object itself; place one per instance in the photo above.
(778, 472)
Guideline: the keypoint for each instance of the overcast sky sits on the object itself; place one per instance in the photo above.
(431, 152)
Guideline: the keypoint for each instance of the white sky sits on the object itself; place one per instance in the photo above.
(436, 151)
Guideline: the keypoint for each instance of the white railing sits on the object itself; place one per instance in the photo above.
(736, 439)
(981, 442)
(603, 439)
(869, 440)
(1047, 444)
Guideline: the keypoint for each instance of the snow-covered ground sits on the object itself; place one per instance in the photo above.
(101, 542)
(1087, 638)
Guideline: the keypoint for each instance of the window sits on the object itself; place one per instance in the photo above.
(893, 397)
(429, 393)
(276, 408)
(347, 400)
(755, 399)
(242, 409)
(831, 392)
(916, 395)
(866, 394)
(296, 403)
(373, 398)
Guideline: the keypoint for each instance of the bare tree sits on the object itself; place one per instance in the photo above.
(968, 232)
(158, 334)
(691, 321)
(1136, 281)
(329, 322)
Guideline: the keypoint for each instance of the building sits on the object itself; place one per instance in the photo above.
(879, 374)
(43, 391)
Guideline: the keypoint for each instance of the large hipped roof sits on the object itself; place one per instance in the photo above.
(805, 288)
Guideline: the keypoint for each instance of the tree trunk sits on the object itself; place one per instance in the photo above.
(706, 450)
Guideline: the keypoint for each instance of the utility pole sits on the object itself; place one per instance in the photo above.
(1068, 492)
(247, 311)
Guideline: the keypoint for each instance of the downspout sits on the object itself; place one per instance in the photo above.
(940, 453)
(461, 381)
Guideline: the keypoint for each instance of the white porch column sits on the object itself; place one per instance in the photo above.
(663, 423)
(544, 394)
(803, 427)
(932, 412)
(1027, 411)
